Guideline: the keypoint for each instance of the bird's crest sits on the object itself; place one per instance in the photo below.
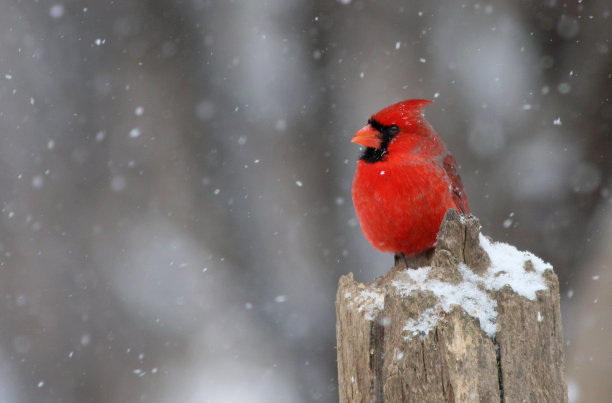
(405, 113)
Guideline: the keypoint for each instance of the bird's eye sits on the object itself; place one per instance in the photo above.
(393, 129)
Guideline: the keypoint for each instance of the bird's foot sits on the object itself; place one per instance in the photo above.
(400, 257)
(413, 261)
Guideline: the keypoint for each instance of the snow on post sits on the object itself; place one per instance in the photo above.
(475, 320)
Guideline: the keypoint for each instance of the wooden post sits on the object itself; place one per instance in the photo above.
(477, 322)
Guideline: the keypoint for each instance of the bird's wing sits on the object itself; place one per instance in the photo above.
(459, 196)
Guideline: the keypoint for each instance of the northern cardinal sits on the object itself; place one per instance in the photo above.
(405, 180)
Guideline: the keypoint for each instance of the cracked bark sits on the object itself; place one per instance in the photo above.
(500, 378)
(456, 361)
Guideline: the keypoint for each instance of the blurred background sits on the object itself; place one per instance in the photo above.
(175, 180)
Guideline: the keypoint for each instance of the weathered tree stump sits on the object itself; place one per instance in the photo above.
(472, 321)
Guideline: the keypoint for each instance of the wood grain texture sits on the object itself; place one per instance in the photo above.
(379, 361)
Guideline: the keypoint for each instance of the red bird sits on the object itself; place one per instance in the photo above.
(405, 180)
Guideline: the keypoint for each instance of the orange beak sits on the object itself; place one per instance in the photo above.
(368, 137)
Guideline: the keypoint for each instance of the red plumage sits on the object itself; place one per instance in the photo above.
(405, 181)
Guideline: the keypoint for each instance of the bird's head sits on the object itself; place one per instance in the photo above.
(396, 123)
